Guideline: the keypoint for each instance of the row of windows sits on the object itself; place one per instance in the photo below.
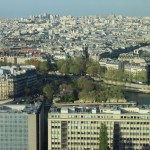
(138, 123)
(14, 126)
(109, 128)
(83, 127)
(56, 127)
(134, 128)
(56, 121)
(13, 122)
(102, 117)
(13, 132)
(137, 139)
(97, 122)
(23, 139)
(133, 144)
(13, 148)
(14, 116)
(78, 116)
(77, 127)
(56, 143)
(134, 133)
(78, 143)
(18, 137)
(96, 133)
(55, 132)
(13, 143)
(85, 122)
(135, 117)
(84, 133)
(83, 138)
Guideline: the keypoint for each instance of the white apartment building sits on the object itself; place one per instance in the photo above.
(78, 128)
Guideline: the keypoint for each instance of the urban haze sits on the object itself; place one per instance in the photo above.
(74, 75)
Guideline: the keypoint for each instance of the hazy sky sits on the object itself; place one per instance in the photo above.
(25, 8)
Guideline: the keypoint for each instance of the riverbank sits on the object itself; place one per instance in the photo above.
(130, 86)
(137, 90)
(3, 102)
(93, 104)
(139, 98)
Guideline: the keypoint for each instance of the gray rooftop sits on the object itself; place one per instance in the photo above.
(29, 109)
(107, 109)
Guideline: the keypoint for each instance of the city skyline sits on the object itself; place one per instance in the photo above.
(17, 8)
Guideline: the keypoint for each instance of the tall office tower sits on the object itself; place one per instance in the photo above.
(21, 127)
(78, 128)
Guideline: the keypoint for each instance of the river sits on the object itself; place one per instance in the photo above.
(140, 98)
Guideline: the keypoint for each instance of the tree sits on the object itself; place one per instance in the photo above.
(29, 62)
(68, 93)
(4, 63)
(60, 63)
(141, 76)
(79, 61)
(64, 68)
(75, 69)
(48, 92)
(27, 101)
(43, 67)
(92, 70)
(103, 138)
(52, 67)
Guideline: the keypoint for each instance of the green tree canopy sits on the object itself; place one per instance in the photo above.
(43, 67)
(48, 92)
(60, 63)
(141, 76)
(4, 63)
(126, 76)
(71, 65)
(64, 68)
(75, 69)
(84, 83)
(68, 93)
(103, 138)
(27, 101)
(94, 69)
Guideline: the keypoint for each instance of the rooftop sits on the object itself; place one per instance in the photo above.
(7, 71)
(29, 109)
(107, 109)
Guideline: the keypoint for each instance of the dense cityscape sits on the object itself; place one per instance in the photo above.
(63, 82)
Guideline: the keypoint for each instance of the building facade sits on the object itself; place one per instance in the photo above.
(20, 59)
(14, 80)
(20, 127)
(78, 128)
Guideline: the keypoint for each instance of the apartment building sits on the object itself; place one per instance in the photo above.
(14, 80)
(20, 127)
(78, 127)
(20, 59)
(133, 67)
